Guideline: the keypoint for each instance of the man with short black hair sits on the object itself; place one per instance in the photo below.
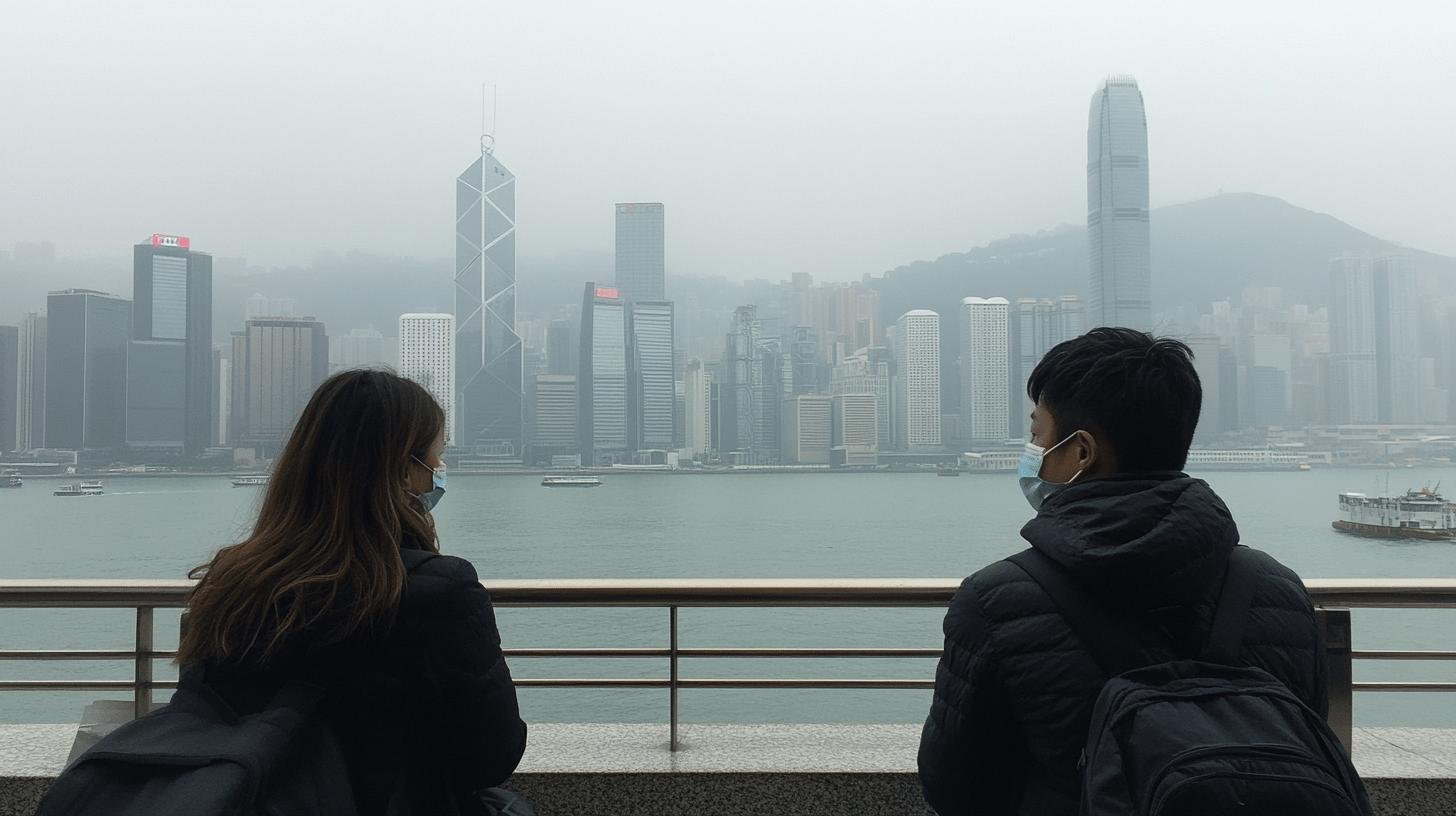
(1114, 418)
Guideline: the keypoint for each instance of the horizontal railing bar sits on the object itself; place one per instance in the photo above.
(79, 654)
(864, 592)
(1398, 686)
(1403, 655)
(735, 651)
(80, 685)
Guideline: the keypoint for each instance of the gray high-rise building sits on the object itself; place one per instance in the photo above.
(1353, 378)
(30, 383)
(651, 399)
(169, 360)
(1118, 250)
(1397, 341)
(1035, 326)
(561, 348)
(86, 339)
(808, 429)
(641, 257)
(867, 371)
(554, 402)
(488, 353)
(283, 360)
(9, 378)
(750, 392)
(601, 418)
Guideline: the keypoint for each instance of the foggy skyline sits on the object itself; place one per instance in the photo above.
(837, 142)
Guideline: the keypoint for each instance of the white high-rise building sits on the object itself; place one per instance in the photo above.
(697, 412)
(917, 380)
(1118, 253)
(427, 356)
(985, 402)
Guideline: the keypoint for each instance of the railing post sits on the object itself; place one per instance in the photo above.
(142, 686)
(672, 743)
(1335, 635)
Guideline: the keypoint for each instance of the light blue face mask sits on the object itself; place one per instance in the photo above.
(432, 497)
(1028, 472)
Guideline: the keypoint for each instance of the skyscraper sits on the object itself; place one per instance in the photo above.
(364, 348)
(85, 382)
(855, 434)
(280, 361)
(427, 356)
(1270, 392)
(984, 361)
(750, 392)
(489, 416)
(30, 389)
(1034, 327)
(169, 360)
(1353, 379)
(1119, 256)
(9, 378)
(807, 430)
(554, 417)
(697, 411)
(561, 348)
(641, 259)
(917, 380)
(601, 418)
(651, 401)
(1206, 356)
(867, 371)
(1397, 340)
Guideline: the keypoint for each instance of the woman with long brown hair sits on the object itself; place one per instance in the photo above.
(342, 583)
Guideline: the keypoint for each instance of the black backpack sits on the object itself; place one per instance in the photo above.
(196, 756)
(1203, 737)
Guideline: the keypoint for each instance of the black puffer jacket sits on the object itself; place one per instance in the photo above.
(427, 713)
(1014, 690)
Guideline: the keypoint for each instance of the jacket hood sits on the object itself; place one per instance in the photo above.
(1143, 541)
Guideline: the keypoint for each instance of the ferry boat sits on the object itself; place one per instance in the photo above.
(1422, 514)
(82, 489)
(249, 481)
(947, 470)
(10, 478)
(571, 481)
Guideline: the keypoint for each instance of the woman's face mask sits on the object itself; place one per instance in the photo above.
(1028, 472)
(432, 497)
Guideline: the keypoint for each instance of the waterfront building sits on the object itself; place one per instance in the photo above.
(30, 388)
(1118, 248)
(602, 380)
(85, 361)
(651, 401)
(561, 348)
(641, 267)
(169, 359)
(490, 409)
(9, 379)
(364, 348)
(554, 417)
(867, 371)
(1397, 310)
(427, 356)
(1034, 327)
(697, 410)
(984, 353)
(752, 388)
(855, 433)
(1353, 377)
(278, 362)
(807, 430)
(917, 376)
(1206, 362)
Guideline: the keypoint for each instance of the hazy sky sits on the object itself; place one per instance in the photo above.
(829, 137)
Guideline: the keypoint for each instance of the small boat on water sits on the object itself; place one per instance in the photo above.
(1423, 515)
(82, 489)
(249, 481)
(10, 478)
(571, 481)
(947, 470)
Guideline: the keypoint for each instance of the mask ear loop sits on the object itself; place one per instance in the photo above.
(1076, 475)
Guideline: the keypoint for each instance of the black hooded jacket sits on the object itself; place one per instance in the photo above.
(1015, 687)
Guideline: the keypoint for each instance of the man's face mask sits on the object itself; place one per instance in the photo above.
(1028, 472)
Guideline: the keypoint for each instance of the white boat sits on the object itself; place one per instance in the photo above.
(91, 488)
(1420, 514)
(82, 489)
(249, 481)
(10, 478)
(571, 481)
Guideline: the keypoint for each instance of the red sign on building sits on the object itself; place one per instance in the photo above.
(604, 292)
(179, 241)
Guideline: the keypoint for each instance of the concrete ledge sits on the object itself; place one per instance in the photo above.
(768, 769)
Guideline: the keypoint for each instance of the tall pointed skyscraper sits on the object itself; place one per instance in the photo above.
(490, 408)
(1118, 254)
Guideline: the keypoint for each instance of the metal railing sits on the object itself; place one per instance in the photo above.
(1334, 597)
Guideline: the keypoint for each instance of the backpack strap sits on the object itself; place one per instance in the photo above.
(1226, 636)
(1117, 642)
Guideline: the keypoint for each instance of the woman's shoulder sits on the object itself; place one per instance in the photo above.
(434, 579)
